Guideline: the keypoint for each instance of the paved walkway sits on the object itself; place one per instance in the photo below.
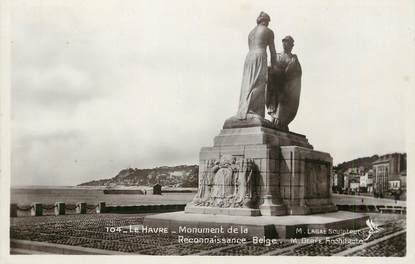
(89, 232)
(367, 200)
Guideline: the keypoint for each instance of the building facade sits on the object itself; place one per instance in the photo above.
(387, 172)
(366, 182)
(338, 182)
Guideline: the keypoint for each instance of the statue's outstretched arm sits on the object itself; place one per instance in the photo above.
(272, 50)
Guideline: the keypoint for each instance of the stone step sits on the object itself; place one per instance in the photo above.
(287, 226)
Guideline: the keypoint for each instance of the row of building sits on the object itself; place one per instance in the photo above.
(387, 175)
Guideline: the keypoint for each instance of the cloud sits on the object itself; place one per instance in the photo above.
(45, 158)
(61, 87)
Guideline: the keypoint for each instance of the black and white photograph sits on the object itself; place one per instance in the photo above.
(237, 128)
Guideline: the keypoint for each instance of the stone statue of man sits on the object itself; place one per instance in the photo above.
(284, 86)
(255, 74)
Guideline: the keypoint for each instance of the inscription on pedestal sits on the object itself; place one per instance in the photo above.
(317, 179)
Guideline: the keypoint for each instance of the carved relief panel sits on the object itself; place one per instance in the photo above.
(228, 183)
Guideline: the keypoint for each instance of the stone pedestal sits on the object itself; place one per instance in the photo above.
(259, 170)
(101, 208)
(269, 208)
(59, 208)
(13, 210)
(305, 180)
(37, 209)
(81, 208)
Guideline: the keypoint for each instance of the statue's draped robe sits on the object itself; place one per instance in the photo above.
(283, 90)
(254, 81)
(222, 184)
(203, 192)
(243, 183)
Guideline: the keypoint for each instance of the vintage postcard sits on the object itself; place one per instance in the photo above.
(205, 129)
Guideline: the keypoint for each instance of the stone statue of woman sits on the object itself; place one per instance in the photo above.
(255, 74)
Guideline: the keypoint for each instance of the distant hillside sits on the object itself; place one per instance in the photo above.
(187, 175)
(177, 176)
(365, 162)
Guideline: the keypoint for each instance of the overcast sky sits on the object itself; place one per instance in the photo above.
(98, 86)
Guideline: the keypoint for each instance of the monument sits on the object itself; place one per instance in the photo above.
(257, 167)
(258, 173)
